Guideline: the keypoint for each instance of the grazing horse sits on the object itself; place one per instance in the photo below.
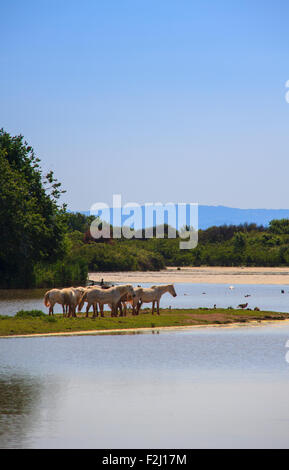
(153, 294)
(71, 298)
(79, 291)
(101, 297)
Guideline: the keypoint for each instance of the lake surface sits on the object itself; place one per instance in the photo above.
(201, 388)
(266, 297)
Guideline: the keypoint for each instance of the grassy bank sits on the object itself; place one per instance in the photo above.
(43, 324)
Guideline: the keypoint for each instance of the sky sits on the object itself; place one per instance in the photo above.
(159, 101)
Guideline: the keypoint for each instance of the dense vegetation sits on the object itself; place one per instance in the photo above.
(246, 245)
(43, 245)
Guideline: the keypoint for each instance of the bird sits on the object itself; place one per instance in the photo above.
(231, 287)
(248, 295)
(243, 305)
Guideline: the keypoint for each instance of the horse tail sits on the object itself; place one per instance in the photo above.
(46, 300)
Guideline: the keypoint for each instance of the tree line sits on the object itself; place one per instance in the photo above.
(45, 245)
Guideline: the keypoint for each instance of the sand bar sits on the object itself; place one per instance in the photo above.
(200, 275)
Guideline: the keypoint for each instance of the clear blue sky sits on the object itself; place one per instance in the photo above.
(158, 100)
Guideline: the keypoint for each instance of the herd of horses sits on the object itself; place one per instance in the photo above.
(118, 298)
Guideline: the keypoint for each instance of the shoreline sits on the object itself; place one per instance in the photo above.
(200, 275)
(156, 330)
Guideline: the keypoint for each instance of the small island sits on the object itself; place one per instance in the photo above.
(38, 323)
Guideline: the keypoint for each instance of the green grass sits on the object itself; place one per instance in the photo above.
(31, 322)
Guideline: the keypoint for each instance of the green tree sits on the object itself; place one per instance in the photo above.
(279, 227)
(31, 221)
(239, 241)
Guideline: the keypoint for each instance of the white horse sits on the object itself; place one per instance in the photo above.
(101, 297)
(52, 297)
(69, 299)
(133, 301)
(79, 291)
(153, 294)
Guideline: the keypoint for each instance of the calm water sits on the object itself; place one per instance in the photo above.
(214, 387)
(266, 297)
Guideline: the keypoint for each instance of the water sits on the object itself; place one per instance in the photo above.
(266, 297)
(202, 388)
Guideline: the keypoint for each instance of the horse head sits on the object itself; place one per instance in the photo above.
(171, 290)
(129, 290)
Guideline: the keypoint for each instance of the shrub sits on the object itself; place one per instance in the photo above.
(30, 313)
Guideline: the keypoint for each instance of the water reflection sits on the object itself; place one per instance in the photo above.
(19, 400)
(201, 388)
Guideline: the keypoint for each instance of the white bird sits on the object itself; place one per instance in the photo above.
(231, 287)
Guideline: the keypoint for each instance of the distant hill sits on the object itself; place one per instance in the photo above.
(222, 215)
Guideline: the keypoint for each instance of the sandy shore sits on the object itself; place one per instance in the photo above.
(203, 275)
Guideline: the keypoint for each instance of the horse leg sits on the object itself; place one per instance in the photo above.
(66, 309)
(153, 307)
(123, 307)
(52, 307)
(158, 307)
(96, 309)
(101, 310)
(113, 311)
(87, 309)
(138, 306)
(119, 307)
(74, 311)
(134, 307)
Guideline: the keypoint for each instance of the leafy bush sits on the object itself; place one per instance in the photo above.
(62, 273)
(30, 313)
